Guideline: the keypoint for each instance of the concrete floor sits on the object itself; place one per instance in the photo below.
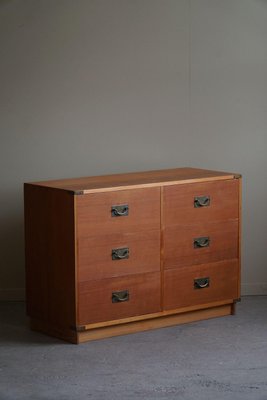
(223, 358)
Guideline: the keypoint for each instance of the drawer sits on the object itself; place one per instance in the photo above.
(208, 201)
(200, 243)
(118, 211)
(118, 298)
(201, 284)
(111, 255)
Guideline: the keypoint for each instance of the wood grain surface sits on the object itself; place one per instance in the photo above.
(179, 288)
(179, 247)
(95, 261)
(178, 202)
(95, 298)
(93, 212)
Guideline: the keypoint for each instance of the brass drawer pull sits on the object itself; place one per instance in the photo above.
(201, 242)
(201, 201)
(120, 297)
(201, 283)
(120, 254)
(120, 211)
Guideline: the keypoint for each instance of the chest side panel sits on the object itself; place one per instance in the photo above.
(50, 256)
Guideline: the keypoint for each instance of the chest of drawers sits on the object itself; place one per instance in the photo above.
(123, 253)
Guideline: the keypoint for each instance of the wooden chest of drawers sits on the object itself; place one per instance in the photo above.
(117, 254)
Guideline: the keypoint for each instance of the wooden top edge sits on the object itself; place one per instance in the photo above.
(169, 183)
(134, 180)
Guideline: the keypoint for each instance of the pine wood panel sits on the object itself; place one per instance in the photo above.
(135, 179)
(50, 256)
(93, 212)
(179, 202)
(179, 288)
(179, 248)
(95, 255)
(95, 298)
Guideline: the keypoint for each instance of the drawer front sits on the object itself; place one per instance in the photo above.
(199, 202)
(200, 244)
(118, 254)
(201, 284)
(118, 298)
(118, 211)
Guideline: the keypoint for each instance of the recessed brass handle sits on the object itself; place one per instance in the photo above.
(201, 283)
(120, 210)
(120, 297)
(120, 254)
(203, 241)
(201, 201)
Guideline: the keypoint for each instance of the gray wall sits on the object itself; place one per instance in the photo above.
(101, 86)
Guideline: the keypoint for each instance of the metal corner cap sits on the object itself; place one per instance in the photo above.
(238, 300)
(237, 176)
(78, 328)
(78, 192)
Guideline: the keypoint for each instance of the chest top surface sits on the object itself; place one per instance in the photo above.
(153, 178)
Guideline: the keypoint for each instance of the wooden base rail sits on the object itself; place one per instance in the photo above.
(104, 330)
